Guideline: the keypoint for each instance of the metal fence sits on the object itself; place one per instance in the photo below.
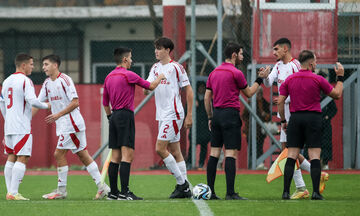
(85, 33)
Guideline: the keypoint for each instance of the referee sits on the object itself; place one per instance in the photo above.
(223, 86)
(119, 90)
(304, 89)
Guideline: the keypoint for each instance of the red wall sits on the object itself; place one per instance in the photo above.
(146, 132)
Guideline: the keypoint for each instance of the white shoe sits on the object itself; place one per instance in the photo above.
(261, 167)
(56, 194)
(102, 191)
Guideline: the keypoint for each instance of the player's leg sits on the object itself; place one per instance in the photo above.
(62, 170)
(113, 172)
(174, 149)
(295, 138)
(22, 150)
(211, 169)
(11, 159)
(215, 151)
(93, 170)
(164, 137)
(301, 192)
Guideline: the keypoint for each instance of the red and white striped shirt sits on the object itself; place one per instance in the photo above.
(60, 93)
(167, 94)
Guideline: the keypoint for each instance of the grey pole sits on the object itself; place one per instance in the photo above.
(358, 119)
(193, 80)
(253, 121)
(220, 33)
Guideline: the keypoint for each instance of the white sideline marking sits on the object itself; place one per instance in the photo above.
(202, 206)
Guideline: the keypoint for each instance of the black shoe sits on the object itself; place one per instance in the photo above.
(234, 196)
(130, 196)
(214, 197)
(317, 196)
(181, 191)
(286, 196)
(112, 196)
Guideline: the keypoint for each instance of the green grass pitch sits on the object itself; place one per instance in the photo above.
(342, 196)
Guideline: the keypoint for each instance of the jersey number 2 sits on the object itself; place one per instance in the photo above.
(10, 96)
(166, 128)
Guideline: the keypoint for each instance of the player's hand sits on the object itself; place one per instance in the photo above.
(339, 69)
(162, 76)
(264, 72)
(49, 106)
(209, 124)
(52, 118)
(276, 99)
(188, 121)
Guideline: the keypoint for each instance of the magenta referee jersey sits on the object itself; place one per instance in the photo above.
(226, 81)
(304, 89)
(119, 88)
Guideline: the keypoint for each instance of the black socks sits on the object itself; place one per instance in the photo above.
(211, 172)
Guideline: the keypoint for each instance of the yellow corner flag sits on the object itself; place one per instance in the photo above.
(277, 168)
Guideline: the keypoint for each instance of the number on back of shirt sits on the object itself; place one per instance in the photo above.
(10, 96)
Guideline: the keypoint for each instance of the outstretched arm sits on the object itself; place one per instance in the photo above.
(53, 117)
(189, 101)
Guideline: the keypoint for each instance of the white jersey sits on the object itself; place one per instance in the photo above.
(60, 93)
(18, 94)
(280, 72)
(167, 94)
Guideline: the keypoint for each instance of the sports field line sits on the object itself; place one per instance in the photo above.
(166, 172)
(202, 206)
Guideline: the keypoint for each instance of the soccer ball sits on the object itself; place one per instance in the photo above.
(201, 191)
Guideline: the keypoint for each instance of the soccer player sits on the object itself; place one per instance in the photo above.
(17, 98)
(59, 90)
(170, 113)
(223, 88)
(304, 126)
(119, 90)
(285, 66)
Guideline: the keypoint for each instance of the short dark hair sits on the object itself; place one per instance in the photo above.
(283, 41)
(120, 53)
(52, 58)
(231, 48)
(21, 58)
(305, 56)
(164, 42)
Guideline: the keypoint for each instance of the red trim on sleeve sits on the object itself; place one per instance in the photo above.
(63, 87)
(73, 123)
(177, 74)
(24, 97)
(75, 140)
(176, 112)
(176, 128)
(21, 144)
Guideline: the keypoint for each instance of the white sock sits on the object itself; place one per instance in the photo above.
(94, 172)
(170, 163)
(305, 165)
(62, 176)
(182, 168)
(8, 173)
(298, 179)
(18, 173)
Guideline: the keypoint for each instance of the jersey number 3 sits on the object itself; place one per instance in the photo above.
(10, 96)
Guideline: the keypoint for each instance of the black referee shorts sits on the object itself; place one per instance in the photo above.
(304, 128)
(226, 128)
(122, 129)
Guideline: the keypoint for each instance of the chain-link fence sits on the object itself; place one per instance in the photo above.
(85, 33)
